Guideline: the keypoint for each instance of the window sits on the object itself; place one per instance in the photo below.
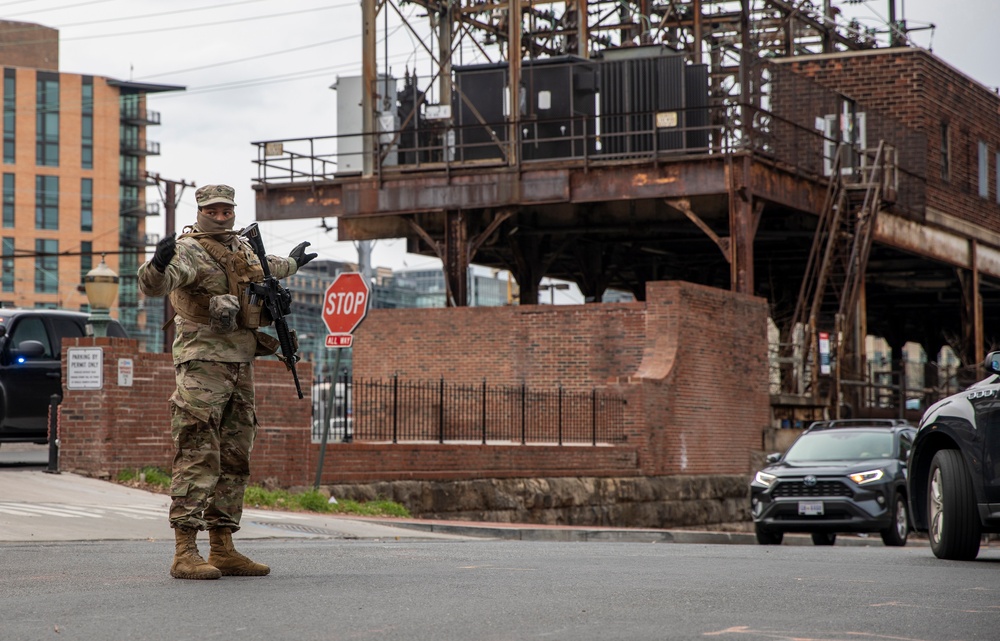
(984, 170)
(8, 200)
(837, 129)
(905, 444)
(945, 152)
(46, 266)
(996, 163)
(9, 114)
(87, 204)
(7, 266)
(129, 135)
(32, 328)
(86, 258)
(46, 202)
(47, 120)
(87, 124)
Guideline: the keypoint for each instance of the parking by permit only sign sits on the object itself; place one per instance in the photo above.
(84, 368)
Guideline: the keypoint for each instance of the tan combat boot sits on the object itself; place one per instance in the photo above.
(225, 557)
(188, 564)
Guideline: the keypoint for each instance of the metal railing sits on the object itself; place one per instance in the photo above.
(395, 410)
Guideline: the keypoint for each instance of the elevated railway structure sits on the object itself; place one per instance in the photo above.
(768, 147)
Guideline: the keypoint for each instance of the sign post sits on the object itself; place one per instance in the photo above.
(344, 307)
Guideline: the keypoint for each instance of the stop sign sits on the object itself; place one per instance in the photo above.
(344, 307)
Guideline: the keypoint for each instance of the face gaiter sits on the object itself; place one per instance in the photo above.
(220, 230)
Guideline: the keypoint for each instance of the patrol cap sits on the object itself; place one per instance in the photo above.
(211, 194)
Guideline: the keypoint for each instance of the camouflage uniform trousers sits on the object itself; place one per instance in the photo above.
(213, 425)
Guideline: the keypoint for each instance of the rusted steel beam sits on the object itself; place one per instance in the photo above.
(684, 206)
(415, 193)
(300, 200)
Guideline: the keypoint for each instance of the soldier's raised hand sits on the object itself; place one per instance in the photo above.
(165, 250)
(300, 255)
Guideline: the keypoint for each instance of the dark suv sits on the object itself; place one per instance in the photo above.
(31, 367)
(838, 476)
(955, 468)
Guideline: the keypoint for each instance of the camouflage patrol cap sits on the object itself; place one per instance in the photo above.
(211, 194)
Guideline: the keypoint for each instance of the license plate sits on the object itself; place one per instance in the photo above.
(810, 508)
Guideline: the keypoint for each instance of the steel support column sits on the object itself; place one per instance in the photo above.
(369, 70)
(978, 338)
(456, 258)
(744, 216)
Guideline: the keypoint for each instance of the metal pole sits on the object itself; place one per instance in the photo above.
(593, 416)
(54, 401)
(395, 408)
(560, 414)
(484, 411)
(441, 412)
(326, 419)
(524, 393)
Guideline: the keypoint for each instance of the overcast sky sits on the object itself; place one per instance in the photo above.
(262, 69)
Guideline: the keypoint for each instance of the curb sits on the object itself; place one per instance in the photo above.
(615, 535)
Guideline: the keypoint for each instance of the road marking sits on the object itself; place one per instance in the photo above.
(49, 509)
(141, 513)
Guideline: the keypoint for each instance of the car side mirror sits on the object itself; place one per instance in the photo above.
(28, 349)
(773, 457)
(993, 363)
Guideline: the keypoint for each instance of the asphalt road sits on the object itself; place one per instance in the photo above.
(83, 559)
(336, 589)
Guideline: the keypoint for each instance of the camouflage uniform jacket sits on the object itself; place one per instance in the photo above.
(194, 268)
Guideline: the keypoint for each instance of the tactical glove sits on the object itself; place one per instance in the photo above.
(165, 250)
(300, 256)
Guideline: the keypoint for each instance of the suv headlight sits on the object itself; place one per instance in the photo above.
(763, 478)
(866, 477)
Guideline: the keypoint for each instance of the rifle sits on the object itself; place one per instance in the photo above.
(277, 302)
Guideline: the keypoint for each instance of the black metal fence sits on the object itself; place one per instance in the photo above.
(394, 410)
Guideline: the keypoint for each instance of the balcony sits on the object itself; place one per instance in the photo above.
(133, 115)
(137, 209)
(135, 181)
(138, 148)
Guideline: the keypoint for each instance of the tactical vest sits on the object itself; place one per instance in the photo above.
(242, 267)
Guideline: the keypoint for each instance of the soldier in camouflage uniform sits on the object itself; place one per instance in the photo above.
(213, 421)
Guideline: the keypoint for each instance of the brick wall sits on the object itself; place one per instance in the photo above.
(26, 44)
(691, 361)
(105, 431)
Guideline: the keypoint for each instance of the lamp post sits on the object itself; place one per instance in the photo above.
(552, 287)
(101, 285)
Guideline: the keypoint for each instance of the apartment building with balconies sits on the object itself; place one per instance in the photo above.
(73, 176)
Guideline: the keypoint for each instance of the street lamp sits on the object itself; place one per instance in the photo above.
(552, 287)
(101, 285)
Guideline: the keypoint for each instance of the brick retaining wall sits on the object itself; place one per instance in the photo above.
(691, 362)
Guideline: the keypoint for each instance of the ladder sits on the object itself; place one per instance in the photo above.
(838, 259)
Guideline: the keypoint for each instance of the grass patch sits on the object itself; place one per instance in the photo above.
(314, 501)
(153, 478)
(148, 475)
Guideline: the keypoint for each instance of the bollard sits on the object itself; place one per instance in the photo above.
(54, 401)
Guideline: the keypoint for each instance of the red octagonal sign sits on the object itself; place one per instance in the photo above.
(344, 307)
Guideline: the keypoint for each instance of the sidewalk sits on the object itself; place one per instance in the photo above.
(38, 506)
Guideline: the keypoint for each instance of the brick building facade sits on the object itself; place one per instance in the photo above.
(953, 114)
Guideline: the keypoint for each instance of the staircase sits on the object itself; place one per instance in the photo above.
(835, 270)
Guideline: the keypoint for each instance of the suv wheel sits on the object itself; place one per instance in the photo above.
(895, 534)
(765, 537)
(824, 538)
(953, 521)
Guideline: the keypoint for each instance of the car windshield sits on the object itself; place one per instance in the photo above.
(840, 445)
